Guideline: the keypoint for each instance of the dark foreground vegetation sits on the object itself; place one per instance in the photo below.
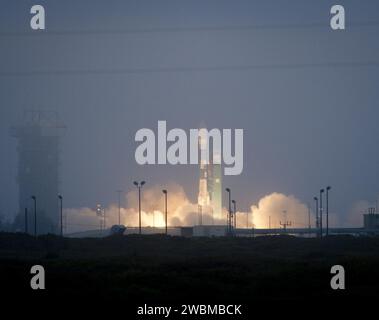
(159, 269)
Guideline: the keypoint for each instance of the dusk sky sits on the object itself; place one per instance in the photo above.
(305, 95)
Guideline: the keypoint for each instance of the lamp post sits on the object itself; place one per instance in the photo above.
(234, 213)
(99, 213)
(253, 225)
(104, 219)
(61, 212)
(321, 192)
(165, 207)
(26, 220)
(230, 212)
(119, 206)
(327, 209)
(139, 186)
(309, 218)
(35, 215)
(317, 220)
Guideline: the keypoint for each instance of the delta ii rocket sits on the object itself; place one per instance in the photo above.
(210, 180)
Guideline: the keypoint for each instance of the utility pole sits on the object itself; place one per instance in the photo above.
(252, 222)
(230, 212)
(285, 219)
(99, 213)
(35, 215)
(65, 223)
(104, 219)
(327, 209)
(321, 209)
(317, 219)
(26, 220)
(119, 206)
(235, 214)
(165, 206)
(309, 218)
(139, 186)
(61, 212)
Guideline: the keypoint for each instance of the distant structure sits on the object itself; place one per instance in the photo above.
(371, 219)
(210, 182)
(38, 139)
(285, 224)
(100, 212)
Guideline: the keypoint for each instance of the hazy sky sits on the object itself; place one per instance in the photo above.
(305, 127)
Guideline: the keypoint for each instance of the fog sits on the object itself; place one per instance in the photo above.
(308, 122)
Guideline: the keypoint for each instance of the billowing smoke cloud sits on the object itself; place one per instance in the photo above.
(80, 219)
(181, 211)
(271, 210)
(276, 207)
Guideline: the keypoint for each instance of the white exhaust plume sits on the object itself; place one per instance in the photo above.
(274, 209)
(183, 212)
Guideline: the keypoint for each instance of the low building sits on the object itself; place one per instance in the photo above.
(209, 231)
(371, 219)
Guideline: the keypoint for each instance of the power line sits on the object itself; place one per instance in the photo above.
(120, 71)
(319, 25)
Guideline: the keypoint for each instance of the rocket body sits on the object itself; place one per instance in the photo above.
(210, 180)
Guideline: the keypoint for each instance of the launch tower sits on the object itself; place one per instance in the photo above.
(38, 162)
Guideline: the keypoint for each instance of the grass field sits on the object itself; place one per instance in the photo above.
(163, 269)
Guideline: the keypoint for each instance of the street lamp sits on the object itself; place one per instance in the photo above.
(61, 212)
(119, 206)
(165, 195)
(26, 220)
(104, 219)
(235, 213)
(327, 209)
(35, 215)
(139, 186)
(317, 220)
(100, 214)
(230, 212)
(321, 192)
